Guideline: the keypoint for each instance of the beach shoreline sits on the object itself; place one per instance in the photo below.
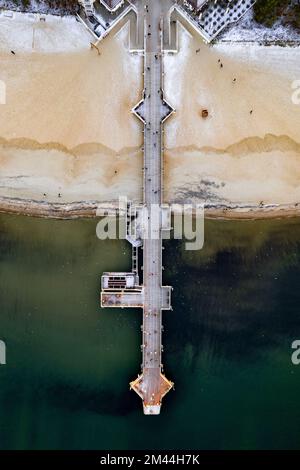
(92, 209)
(248, 169)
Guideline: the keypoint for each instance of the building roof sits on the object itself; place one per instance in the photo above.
(112, 4)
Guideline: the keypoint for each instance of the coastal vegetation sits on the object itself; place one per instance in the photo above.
(267, 12)
(61, 6)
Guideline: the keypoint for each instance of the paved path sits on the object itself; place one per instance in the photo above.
(152, 385)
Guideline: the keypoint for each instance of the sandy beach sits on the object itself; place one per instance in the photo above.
(68, 138)
(66, 131)
(247, 151)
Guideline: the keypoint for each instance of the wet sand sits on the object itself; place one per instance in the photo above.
(68, 139)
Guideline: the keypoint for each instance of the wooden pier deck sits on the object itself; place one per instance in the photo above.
(118, 290)
(152, 384)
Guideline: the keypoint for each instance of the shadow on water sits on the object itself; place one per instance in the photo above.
(239, 293)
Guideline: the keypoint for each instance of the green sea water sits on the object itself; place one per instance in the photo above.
(236, 311)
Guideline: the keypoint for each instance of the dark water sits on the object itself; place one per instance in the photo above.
(227, 342)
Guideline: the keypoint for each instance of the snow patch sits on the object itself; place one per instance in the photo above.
(247, 29)
(30, 32)
(35, 6)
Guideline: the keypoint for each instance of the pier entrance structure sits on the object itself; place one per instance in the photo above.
(153, 30)
(205, 17)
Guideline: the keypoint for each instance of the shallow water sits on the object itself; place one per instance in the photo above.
(227, 341)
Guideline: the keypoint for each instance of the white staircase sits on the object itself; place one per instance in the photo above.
(88, 7)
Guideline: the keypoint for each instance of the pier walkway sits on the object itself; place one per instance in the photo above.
(119, 289)
(155, 33)
(152, 384)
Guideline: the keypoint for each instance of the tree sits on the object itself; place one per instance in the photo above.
(268, 11)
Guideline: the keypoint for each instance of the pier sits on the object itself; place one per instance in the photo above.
(148, 223)
(153, 31)
(152, 385)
